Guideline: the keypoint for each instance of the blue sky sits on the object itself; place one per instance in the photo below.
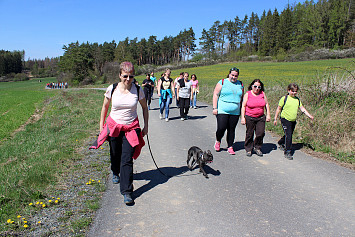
(42, 27)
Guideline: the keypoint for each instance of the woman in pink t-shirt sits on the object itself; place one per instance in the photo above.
(195, 91)
(252, 114)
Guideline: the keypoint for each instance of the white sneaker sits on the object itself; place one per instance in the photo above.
(182, 119)
(161, 116)
(167, 119)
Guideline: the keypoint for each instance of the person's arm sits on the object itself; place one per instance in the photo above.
(191, 93)
(144, 105)
(277, 114)
(244, 104)
(104, 110)
(268, 118)
(177, 91)
(216, 92)
(172, 88)
(303, 109)
(158, 88)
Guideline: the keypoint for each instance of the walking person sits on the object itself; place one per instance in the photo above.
(122, 128)
(153, 78)
(166, 94)
(148, 85)
(195, 91)
(287, 108)
(184, 95)
(227, 98)
(252, 114)
(181, 76)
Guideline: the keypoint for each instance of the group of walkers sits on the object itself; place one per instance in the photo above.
(230, 102)
(184, 90)
(125, 137)
(56, 85)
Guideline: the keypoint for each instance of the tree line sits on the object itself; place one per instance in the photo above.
(305, 26)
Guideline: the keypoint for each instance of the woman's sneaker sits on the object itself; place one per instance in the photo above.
(231, 151)
(161, 116)
(288, 155)
(217, 146)
(167, 119)
(258, 152)
(115, 179)
(282, 147)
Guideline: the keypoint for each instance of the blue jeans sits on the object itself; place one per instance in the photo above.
(193, 101)
(165, 104)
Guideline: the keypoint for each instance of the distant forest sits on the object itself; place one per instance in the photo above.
(302, 27)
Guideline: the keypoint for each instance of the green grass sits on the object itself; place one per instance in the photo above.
(19, 100)
(35, 159)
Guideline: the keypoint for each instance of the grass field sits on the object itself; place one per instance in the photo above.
(34, 161)
(18, 102)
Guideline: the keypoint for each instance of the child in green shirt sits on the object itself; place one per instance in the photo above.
(288, 106)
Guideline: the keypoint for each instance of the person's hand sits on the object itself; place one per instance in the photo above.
(215, 111)
(268, 118)
(275, 122)
(242, 121)
(159, 94)
(145, 131)
(177, 98)
(311, 117)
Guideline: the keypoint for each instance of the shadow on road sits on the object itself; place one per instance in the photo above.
(268, 148)
(157, 178)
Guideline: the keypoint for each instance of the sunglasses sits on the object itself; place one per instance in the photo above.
(255, 86)
(234, 69)
(128, 76)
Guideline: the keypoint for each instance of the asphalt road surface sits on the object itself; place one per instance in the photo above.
(244, 196)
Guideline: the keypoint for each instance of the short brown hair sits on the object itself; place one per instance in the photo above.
(127, 67)
(293, 87)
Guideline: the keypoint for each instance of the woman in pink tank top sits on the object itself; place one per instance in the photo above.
(252, 114)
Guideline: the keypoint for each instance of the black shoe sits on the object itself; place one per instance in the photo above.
(127, 198)
(288, 155)
(282, 147)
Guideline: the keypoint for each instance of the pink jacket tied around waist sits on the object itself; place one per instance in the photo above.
(113, 129)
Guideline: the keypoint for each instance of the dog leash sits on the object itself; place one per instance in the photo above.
(151, 154)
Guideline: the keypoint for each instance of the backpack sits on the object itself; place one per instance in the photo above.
(115, 85)
(299, 103)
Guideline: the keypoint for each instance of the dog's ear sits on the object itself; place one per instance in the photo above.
(209, 152)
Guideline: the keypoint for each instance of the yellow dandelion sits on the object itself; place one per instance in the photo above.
(76, 139)
(31, 204)
(25, 226)
(44, 205)
(25, 222)
(41, 203)
(49, 201)
(12, 222)
(39, 222)
(37, 203)
(9, 221)
(23, 218)
(102, 148)
(58, 198)
(99, 181)
(56, 201)
(18, 216)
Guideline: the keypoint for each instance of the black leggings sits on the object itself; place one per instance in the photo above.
(148, 96)
(288, 127)
(226, 122)
(121, 153)
(184, 106)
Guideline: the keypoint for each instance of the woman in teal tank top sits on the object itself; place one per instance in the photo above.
(227, 98)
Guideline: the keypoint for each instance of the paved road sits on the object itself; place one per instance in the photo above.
(267, 196)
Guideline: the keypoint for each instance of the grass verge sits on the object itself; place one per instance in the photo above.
(46, 159)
